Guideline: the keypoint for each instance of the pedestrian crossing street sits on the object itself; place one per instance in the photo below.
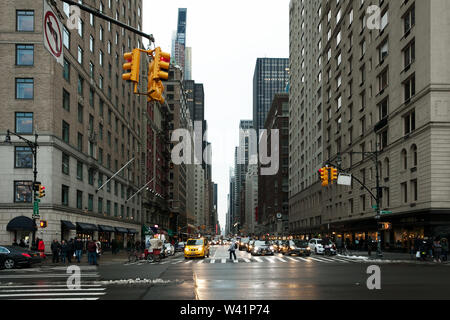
(50, 284)
(260, 259)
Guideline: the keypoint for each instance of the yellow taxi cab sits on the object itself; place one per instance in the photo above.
(196, 248)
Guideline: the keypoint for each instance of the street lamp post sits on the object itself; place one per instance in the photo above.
(33, 146)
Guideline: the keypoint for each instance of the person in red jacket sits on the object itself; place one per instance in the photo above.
(41, 248)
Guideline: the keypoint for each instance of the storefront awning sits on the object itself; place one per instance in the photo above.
(103, 228)
(121, 230)
(86, 227)
(132, 231)
(21, 223)
(68, 225)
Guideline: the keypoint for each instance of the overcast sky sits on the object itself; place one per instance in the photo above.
(226, 39)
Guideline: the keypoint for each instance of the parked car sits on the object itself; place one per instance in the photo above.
(262, 248)
(12, 257)
(179, 247)
(298, 247)
(318, 246)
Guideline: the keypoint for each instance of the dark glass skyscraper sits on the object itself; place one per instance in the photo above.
(271, 76)
(180, 41)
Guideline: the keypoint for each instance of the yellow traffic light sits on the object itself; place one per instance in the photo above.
(157, 72)
(334, 174)
(43, 224)
(133, 65)
(162, 62)
(41, 191)
(324, 176)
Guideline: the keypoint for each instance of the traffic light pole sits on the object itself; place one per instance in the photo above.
(33, 146)
(376, 197)
(97, 13)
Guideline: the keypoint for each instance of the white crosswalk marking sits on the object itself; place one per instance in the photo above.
(201, 261)
(303, 259)
(340, 260)
(326, 259)
(56, 290)
(246, 260)
(190, 261)
(281, 259)
(271, 260)
(290, 258)
(224, 260)
(316, 259)
(346, 259)
(213, 261)
(258, 259)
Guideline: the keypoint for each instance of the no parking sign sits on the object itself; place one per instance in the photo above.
(53, 34)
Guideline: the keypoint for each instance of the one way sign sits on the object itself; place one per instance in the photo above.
(53, 30)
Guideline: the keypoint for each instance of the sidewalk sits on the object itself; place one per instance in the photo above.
(387, 256)
(105, 258)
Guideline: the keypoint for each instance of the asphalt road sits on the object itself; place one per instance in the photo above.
(248, 278)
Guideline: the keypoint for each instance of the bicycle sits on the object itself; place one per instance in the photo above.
(154, 256)
(133, 255)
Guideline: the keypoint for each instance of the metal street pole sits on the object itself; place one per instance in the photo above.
(97, 13)
(33, 146)
(377, 196)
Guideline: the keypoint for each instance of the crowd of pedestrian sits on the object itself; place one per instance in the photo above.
(73, 249)
(427, 248)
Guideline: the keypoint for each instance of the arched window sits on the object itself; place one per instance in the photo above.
(414, 155)
(404, 159)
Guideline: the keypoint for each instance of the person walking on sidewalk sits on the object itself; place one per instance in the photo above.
(55, 250)
(437, 250)
(70, 250)
(64, 251)
(78, 249)
(444, 244)
(232, 250)
(92, 252)
(41, 248)
(369, 246)
(113, 246)
(98, 250)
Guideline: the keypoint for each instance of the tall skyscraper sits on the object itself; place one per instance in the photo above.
(305, 103)
(180, 41)
(363, 89)
(271, 76)
(188, 64)
(241, 165)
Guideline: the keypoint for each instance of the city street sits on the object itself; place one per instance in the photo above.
(218, 278)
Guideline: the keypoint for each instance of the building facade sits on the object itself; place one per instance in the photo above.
(273, 190)
(271, 76)
(88, 122)
(251, 199)
(381, 120)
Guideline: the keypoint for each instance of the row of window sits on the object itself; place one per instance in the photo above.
(23, 194)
